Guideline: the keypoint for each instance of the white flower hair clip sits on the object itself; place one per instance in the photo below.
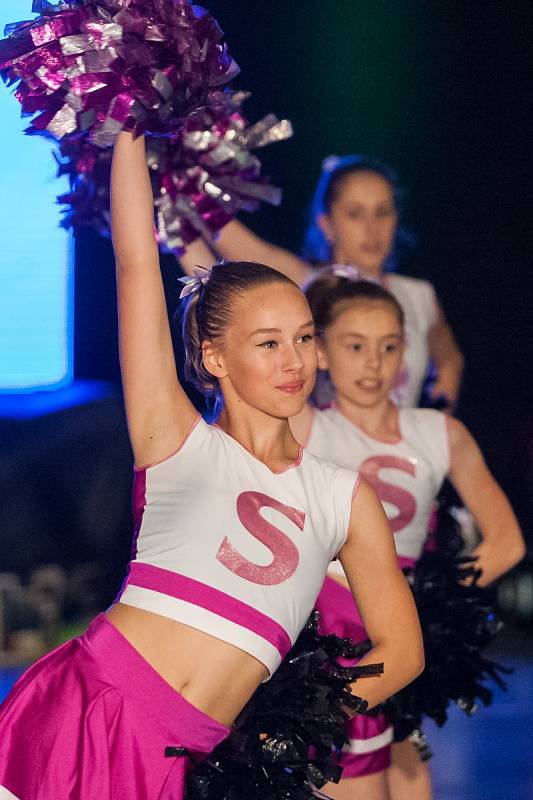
(352, 273)
(193, 283)
(330, 163)
(347, 271)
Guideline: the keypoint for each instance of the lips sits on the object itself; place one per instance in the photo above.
(369, 385)
(291, 388)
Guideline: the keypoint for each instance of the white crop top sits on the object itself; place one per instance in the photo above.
(406, 476)
(227, 546)
(418, 301)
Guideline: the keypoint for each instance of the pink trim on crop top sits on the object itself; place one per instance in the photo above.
(200, 594)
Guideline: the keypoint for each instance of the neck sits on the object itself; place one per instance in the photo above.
(380, 421)
(267, 438)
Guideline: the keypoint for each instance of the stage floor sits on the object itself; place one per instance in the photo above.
(487, 757)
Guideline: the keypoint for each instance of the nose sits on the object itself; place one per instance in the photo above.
(373, 360)
(292, 361)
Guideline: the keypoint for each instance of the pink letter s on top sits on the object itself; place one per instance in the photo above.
(285, 553)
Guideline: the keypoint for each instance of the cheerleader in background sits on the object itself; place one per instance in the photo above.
(235, 528)
(405, 454)
(354, 222)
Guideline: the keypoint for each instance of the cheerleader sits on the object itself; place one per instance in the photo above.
(354, 221)
(405, 454)
(234, 529)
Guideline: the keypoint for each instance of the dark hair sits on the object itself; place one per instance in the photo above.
(207, 313)
(335, 171)
(329, 295)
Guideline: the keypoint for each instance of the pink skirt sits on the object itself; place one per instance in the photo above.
(369, 738)
(93, 721)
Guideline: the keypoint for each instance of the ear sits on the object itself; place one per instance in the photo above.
(326, 227)
(213, 360)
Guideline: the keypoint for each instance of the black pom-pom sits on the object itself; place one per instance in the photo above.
(283, 742)
(458, 623)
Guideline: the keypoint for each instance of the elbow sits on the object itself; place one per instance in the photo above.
(516, 553)
(413, 659)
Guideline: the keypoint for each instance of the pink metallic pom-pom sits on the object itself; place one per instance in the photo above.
(97, 67)
(201, 176)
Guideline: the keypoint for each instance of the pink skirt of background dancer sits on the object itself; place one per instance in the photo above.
(369, 737)
(92, 721)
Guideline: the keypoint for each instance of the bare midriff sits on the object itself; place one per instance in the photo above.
(216, 677)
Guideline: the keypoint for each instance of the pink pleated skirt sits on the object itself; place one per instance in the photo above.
(369, 738)
(93, 721)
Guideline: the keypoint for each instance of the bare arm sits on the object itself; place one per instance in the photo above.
(197, 254)
(502, 544)
(383, 598)
(447, 357)
(236, 242)
(158, 410)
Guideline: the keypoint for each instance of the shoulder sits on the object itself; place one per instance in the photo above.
(424, 417)
(416, 287)
(429, 433)
(458, 433)
(199, 436)
(416, 295)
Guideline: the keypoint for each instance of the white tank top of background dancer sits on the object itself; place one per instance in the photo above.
(417, 299)
(406, 476)
(227, 546)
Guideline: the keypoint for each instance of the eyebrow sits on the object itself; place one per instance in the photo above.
(278, 330)
(362, 336)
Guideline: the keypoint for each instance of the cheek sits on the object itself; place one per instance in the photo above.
(343, 366)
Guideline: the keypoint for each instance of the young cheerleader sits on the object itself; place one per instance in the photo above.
(405, 454)
(235, 527)
(354, 221)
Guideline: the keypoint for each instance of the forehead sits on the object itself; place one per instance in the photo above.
(272, 305)
(370, 318)
(363, 187)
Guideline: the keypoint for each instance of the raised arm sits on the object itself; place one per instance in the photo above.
(197, 254)
(502, 544)
(383, 598)
(159, 412)
(447, 357)
(236, 242)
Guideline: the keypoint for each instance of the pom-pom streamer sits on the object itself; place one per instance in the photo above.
(96, 67)
(201, 176)
(282, 744)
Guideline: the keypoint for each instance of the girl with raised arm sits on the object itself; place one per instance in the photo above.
(405, 454)
(354, 222)
(235, 526)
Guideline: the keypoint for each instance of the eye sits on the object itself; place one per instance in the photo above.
(392, 347)
(355, 213)
(385, 212)
(271, 344)
(307, 338)
(356, 347)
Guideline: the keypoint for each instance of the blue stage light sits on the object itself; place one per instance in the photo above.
(35, 262)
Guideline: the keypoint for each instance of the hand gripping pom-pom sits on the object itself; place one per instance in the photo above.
(96, 67)
(201, 176)
(283, 742)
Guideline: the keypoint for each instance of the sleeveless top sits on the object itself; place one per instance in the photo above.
(225, 545)
(406, 475)
(417, 298)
